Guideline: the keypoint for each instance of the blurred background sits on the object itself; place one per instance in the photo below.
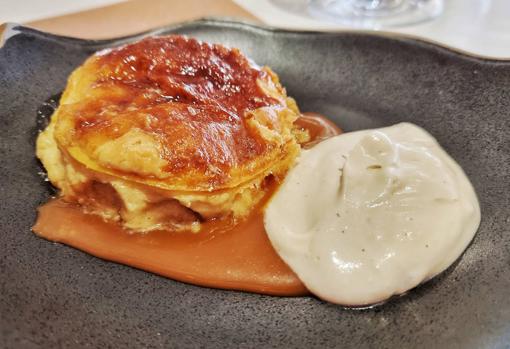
(481, 27)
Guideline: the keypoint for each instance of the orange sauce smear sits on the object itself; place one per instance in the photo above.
(238, 258)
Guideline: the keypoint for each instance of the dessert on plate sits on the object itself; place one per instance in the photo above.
(169, 132)
(187, 159)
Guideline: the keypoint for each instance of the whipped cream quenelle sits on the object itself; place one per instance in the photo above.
(371, 214)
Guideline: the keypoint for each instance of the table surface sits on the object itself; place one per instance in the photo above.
(136, 16)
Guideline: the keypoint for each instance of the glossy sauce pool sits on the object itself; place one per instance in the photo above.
(238, 258)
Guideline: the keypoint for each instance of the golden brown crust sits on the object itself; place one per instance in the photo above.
(167, 133)
(176, 113)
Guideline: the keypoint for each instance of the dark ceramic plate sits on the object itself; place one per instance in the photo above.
(55, 296)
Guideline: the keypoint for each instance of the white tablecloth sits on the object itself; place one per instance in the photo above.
(481, 27)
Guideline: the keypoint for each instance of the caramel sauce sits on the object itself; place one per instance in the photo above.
(238, 258)
(319, 127)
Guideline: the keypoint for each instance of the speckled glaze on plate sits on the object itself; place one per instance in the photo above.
(53, 296)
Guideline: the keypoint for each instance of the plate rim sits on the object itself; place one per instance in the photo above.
(10, 29)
